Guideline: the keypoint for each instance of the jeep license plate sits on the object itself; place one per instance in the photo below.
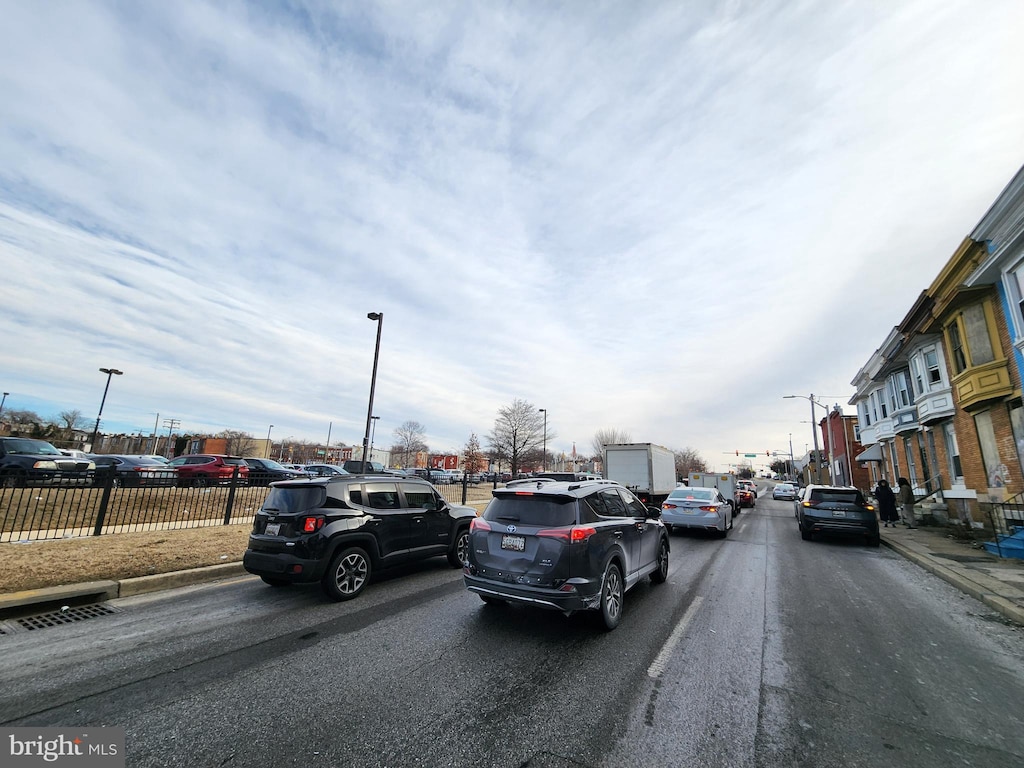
(515, 543)
(273, 529)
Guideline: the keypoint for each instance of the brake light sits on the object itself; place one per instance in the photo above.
(479, 524)
(573, 535)
(312, 524)
(666, 505)
(708, 509)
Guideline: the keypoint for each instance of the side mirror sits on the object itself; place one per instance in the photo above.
(654, 512)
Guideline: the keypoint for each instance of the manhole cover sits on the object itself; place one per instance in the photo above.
(68, 615)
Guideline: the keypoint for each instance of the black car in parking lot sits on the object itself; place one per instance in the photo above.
(837, 510)
(566, 546)
(339, 530)
(267, 471)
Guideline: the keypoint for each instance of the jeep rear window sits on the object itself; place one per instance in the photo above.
(290, 500)
(835, 496)
(531, 510)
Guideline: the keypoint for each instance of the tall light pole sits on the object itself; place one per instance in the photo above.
(95, 430)
(269, 444)
(814, 431)
(373, 430)
(379, 318)
(544, 456)
(3, 401)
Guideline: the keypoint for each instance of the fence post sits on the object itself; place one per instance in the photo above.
(465, 487)
(231, 497)
(101, 513)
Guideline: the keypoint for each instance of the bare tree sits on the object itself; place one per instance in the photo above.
(409, 440)
(687, 461)
(518, 429)
(605, 437)
(70, 419)
(238, 443)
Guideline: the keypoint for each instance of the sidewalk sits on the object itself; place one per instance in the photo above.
(998, 582)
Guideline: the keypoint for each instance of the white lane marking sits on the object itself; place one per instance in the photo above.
(661, 661)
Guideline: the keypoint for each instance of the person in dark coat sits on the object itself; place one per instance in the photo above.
(906, 497)
(886, 503)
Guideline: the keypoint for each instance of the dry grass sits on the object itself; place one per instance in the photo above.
(37, 564)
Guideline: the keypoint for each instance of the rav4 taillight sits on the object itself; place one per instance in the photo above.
(479, 524)
(574, 534)
(312, 524)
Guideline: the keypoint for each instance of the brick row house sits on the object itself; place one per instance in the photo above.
(939, 402)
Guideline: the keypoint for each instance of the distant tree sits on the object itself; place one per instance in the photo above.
(518, 429)
(22, 422)
(473, 459)
(781, 467)
(238, 443)
(70, 420)
(687, 461)
(605, 437)
(409, 440)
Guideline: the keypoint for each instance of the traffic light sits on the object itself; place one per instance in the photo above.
(767, 453)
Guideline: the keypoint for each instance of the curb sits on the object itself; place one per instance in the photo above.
(99, 591)
(1002, 605)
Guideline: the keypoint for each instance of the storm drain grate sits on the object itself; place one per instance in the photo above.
(66, 615)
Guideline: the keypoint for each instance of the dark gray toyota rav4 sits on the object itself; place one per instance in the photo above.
(567, 546)
(339, 530)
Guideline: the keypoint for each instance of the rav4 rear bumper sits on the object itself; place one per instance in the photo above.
(585, 596)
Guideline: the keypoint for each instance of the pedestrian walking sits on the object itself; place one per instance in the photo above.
(906, 497)
(886, 503)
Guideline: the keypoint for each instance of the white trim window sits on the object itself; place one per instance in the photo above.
(1017, 296)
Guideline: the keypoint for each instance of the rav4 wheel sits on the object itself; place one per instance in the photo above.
(459, 553)
(347, 575)
(660, 573)
(611, 596)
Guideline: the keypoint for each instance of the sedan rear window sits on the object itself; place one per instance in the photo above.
(699, 494)
(290, 500)
(531, 510)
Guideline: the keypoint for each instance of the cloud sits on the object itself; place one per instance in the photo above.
(657, 219)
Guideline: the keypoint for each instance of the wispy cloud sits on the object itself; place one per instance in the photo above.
(656, 217)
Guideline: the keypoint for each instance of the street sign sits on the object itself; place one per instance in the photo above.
(750, 455)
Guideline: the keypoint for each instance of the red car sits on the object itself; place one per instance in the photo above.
(202, 469)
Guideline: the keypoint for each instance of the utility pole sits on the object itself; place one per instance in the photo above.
(171, 424)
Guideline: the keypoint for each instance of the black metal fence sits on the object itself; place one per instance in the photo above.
(91, 505)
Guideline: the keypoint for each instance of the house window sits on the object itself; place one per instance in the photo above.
(915, 367)
(856, 432)
(956, 346)
(956, 472)
(994, 468)
(901, 390)
(979, 342)
(931, 363)
(1018, 283)
(890, 387)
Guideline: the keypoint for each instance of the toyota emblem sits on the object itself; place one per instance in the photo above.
(511, 529)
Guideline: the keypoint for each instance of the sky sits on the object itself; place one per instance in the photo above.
(657, 217)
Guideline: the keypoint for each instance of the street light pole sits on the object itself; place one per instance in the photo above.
(3, 401)
(379, 318)
(95, 430)
(544, 456)
(814, 431)
(373, 431)
(269, 444)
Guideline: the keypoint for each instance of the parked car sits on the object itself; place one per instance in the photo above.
(837, 510)
(134, 471)
(203, 469)
(155, 457)
(74, 453)
(324, 470)
(698, 507)
(28, 462)
(566, 547)
(339, 530)
(356, 467)
(267, 471)
(784, 491)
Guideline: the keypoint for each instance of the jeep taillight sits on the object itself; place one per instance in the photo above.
(312, 524)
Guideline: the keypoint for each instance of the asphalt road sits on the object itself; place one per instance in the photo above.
(760, 650)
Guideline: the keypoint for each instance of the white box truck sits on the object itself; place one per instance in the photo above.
(647, 469)
(724, 482)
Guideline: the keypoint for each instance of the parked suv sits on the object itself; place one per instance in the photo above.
(567, 546)
(339, 530)
(355, 467)
(202, 469)
(836, 509)
(267, 471)
(24, 461)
